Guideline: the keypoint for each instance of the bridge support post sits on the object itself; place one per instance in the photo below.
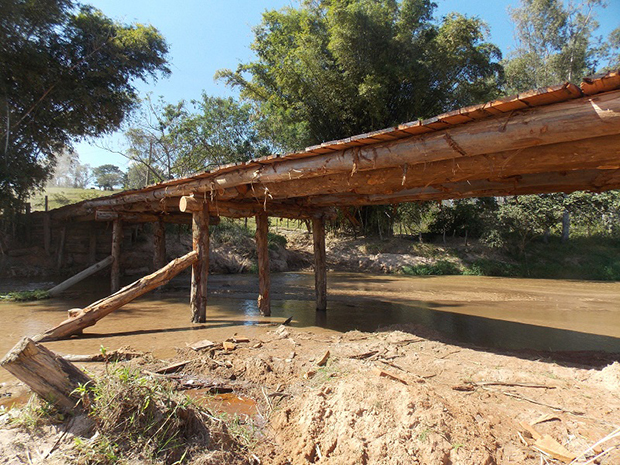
(264, 280)
(320, 265)
(200, 269)
(159, 244)
(117, 238)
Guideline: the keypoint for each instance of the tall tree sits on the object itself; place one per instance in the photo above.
(172, 140)
(108, 176)
(555, 43)
(66, 72)
(335, 68)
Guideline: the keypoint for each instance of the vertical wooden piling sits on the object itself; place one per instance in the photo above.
(159, 244)
(61, 247)
(117, 238)
(320, 266)
(47, 233)
(92, 246)
(264, 284)
(200, 269)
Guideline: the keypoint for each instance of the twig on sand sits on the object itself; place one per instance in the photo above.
(533, 401)
(610, 436)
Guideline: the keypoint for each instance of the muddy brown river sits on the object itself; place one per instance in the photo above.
(503, 313)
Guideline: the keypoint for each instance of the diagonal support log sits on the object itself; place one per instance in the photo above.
(96, 311)
(80, 276)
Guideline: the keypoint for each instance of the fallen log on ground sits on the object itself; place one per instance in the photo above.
(78, 320)
(112, 356)
(46, 373)
(80, 276)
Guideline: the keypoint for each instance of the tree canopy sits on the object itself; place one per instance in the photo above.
(334, 68)
(108, 176)
(66, 72)
(555, 43)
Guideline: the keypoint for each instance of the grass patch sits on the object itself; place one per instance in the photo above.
(35, 413)
(140, 420)
(438, 268)
(488, 267)
(61, 196)
(26, 296)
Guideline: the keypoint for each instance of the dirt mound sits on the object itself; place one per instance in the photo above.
(397, 397)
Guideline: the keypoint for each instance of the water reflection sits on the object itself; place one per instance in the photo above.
(488, 312)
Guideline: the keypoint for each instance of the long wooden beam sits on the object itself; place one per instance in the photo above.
(569, 121)
(540, 183)
(603, 152)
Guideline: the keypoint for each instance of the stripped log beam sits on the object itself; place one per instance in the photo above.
(563, 181)
(568, 121)
(96, 311)
(598, 153)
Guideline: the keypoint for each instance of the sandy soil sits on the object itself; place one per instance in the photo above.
(399, 396)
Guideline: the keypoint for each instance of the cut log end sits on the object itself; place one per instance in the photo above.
(47, 374)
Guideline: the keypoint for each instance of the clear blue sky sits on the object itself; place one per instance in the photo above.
(207, 35)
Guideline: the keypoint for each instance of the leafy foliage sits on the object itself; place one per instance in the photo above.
(108, 176)
(173, 140)
(335, 68)
(556, 43)
(66, 72)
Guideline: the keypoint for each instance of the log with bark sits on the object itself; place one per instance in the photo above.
(96, 311)
(46, 373)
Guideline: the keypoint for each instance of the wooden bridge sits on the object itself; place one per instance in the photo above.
(558, 139)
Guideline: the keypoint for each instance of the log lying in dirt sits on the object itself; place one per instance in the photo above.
(96, 311)
(80, 276)
(47, 374)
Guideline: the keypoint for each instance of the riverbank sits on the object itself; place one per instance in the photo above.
(400, 395)
(233, 251)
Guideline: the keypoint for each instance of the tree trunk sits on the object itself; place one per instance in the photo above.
(262, 245)
(320, 267)
(200, 268)
(565, 225)
(88, 316)
(47, 374)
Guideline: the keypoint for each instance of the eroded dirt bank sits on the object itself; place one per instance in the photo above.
(396, 396)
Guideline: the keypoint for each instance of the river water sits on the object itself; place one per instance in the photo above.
(495, 313)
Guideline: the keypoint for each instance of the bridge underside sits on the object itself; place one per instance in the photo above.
(559, 139)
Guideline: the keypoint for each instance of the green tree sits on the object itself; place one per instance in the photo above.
(520, 219)
(219, 131)
(66, 72)
(108, 176)
(172, 140)
(555, 43)
(334, 68)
